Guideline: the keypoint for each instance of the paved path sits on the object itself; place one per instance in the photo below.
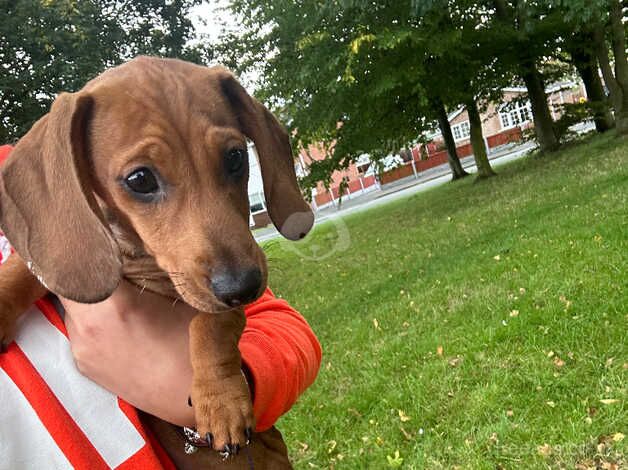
(402, 188)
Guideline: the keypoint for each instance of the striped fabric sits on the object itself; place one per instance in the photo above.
(53, 417)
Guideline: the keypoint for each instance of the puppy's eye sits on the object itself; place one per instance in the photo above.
(235, 160)
(142, 181)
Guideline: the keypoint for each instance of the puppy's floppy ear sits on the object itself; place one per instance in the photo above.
(289, 212)
(48, 210)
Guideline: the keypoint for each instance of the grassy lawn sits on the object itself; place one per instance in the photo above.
(475, 325)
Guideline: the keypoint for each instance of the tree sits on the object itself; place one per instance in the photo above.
(600, 23)
(584, 59)
(450, 144)
(48, 47)
(532, 31)
(370, 78)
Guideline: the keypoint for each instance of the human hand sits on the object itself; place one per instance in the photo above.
(136, 344)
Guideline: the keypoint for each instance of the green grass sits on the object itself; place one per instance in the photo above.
(520, 279)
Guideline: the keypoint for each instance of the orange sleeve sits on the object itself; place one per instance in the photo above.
(282, 355)
(5, 150)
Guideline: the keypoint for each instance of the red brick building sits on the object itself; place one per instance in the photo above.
(502, 123)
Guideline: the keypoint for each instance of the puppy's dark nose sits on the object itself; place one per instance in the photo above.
(236, 287)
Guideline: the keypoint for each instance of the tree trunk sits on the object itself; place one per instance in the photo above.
(457, 171)
(586, 64)
(618, 35)
(477, 140)
(543, 123)
(601, 51)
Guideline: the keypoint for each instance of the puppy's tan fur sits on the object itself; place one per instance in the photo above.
(78, 230)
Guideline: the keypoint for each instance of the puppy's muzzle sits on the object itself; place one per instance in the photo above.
(236, 287)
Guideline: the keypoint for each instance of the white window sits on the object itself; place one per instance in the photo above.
(257, 202)
(461, 131)
(300, 170)
(514, 114)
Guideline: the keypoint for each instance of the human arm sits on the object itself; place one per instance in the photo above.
(136, 345)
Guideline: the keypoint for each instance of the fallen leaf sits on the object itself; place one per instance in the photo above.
(544, 450)
(396, 461)
(609, 401)
(331, 446)
(439, 350)
(376, 324)
(496, 257)
(455, 361)
(354, 412)
(558, 362)
(510, 413)
(550, 403)
(403, 417)
(564, 300)
(514, 313)
(405, 433)
(617, 437)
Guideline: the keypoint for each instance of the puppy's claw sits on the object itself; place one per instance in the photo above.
(230, 450)
(225, 453)
(248, 433)
(209, 438)
(189, 401)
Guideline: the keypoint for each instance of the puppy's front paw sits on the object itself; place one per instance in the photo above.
(223, 412)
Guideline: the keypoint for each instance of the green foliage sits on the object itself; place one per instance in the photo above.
(573, 113)
(57, 45)
(362, 77)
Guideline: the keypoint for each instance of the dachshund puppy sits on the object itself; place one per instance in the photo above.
(143, 174)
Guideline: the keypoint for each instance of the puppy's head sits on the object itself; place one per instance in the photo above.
(163, 144)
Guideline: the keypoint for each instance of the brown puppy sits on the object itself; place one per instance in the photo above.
(143, 174)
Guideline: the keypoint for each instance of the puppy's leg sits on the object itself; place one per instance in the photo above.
(220, 394)
(19, 288)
